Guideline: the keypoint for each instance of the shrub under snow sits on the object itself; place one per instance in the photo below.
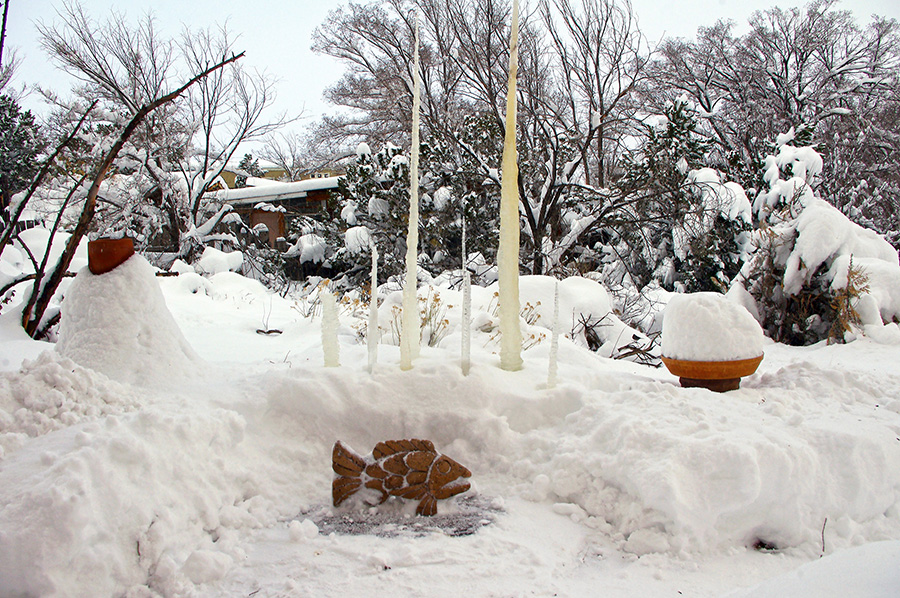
(800, 273)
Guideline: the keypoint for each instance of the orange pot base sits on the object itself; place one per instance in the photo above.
(718, 376)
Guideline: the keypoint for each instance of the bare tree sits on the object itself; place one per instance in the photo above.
(814, 69)
(567, 119)
(600, 59)
(178, 150)
(44, 289)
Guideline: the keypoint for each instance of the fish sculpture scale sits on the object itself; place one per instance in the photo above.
(410, 469)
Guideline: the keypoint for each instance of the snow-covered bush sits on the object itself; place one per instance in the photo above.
(214, 261)
(800, 272)
(372, 205)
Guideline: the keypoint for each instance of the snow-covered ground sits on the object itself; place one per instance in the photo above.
(191, 456)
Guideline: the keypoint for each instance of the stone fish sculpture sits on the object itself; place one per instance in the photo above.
(410, 469)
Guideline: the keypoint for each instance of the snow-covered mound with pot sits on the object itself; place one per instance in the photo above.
(709, 327)
(119, 325)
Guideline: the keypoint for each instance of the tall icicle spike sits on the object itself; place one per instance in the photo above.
(508, 252)
(409, 328)
(372, 333)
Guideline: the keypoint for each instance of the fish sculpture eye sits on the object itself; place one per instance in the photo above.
(443, 466)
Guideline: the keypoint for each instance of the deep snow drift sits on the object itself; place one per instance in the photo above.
(125, 472)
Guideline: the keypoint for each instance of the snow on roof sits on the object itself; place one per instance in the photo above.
(275, 191)
(254, 181)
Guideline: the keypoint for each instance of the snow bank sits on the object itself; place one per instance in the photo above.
(103, 507)
(873, 569)
(142, 491)
(709, 327)
(51, 393)
(214, 261)
(118, 324)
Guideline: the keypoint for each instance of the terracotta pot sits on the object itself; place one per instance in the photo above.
(718, 376)
(106, 254)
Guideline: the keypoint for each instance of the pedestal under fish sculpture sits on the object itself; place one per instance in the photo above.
(410, 469)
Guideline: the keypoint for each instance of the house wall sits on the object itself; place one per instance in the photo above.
(274, 221)
(316, 200)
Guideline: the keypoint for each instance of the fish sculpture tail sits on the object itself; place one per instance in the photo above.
(349, 467)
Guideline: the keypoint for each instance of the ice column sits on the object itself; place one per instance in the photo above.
(372, 332)
(554, 340)
(329, 329)
(409, 328)
(508, 252)
(467, 302)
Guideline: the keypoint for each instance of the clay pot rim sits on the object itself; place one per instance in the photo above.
(105, 254)
(712, 370)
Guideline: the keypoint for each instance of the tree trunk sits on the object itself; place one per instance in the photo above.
(537, 257)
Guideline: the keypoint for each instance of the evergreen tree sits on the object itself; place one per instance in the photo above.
(250, 166)
(684, 233)
(374, 193)
(20, 145)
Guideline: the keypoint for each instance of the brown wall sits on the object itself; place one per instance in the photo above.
(274, 221)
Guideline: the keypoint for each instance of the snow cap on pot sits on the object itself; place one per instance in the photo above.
(710, 342)
(709, 327)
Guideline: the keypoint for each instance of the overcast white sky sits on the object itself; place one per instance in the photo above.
(276, 35)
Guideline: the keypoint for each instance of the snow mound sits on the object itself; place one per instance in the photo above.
(118, 324)
(709, 327)
(214, 261)
(585, 311)
(874, 569)
(51, 393)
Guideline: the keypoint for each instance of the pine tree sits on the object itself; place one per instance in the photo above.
(249, 165)
(678, 236)
(20, 145)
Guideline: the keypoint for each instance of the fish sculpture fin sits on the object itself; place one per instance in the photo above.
(348, 467)
(391, 447)
(428, 506)
(345, 462)
(343, 488)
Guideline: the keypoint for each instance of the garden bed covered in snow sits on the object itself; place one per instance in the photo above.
(212, 476)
